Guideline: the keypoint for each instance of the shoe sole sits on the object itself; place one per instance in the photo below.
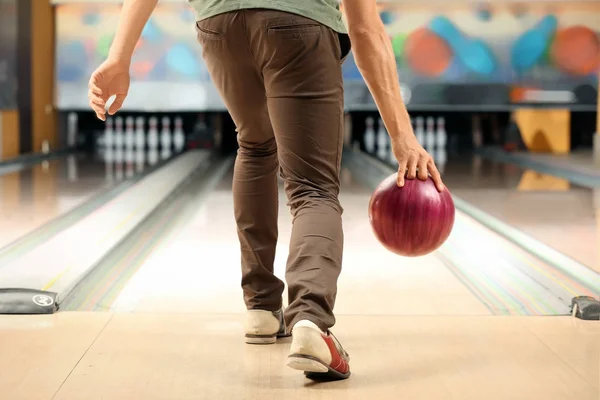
(264, 339)
(314, 368)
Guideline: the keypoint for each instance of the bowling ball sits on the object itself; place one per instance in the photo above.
(413, 220)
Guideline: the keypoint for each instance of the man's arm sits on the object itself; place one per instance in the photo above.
(134, 16)
(375, 59)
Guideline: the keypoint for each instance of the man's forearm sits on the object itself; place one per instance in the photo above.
(134, 16)
(375, 59)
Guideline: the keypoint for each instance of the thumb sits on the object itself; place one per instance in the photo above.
(117, 104)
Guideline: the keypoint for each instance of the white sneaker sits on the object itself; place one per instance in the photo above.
(264, 327)
(319, 354)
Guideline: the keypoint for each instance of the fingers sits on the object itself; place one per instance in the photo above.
(401, 172)
(117, 104)
(435, 175)
(422, 166)
(97, 98)
(98, 109)
(412, 168)
(94, 86)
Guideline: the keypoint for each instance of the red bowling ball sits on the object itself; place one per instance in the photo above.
(413, 220)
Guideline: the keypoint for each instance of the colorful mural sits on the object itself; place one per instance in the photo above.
(453, 55)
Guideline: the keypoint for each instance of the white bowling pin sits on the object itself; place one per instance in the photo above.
(72, 168)
(140, 160)
(129, 159)
(119, 135)
(119, 171)
(109, 158)
(140, 135)
(72, 130)
(476, 133)
(165, 153)
(441, 135)
(109, 134)
(153, 133)
(370, 135)
(420, 131)
(153, 156)
(382, 141)
(129, 134)
(179, 135)
(45, 146)
(119, 155)
(165, 135)
(430, 135)
(441, 158)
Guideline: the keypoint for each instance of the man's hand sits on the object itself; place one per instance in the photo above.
(110, 79)
(414, 161)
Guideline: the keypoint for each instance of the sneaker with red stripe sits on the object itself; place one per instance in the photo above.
(320, 355)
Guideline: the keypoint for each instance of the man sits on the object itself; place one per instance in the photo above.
(277, 65)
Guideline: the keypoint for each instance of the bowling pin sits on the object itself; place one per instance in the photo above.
(382, 139)
(129, 159)
(140, 135)
(420, 131)
(441, 158)
(129, 134)
(109, 134)
(370, 135)
(165, 153)
(108, 163)
(119, 171)
(140, 159)
(477, 136)
(72, 168)
(153, 133)
(430, 135)
(45, 147)
(119, 155)
(72, 130)
(178, 135)
(441, 136)
(165, 135)
(119, 138)
(153, 156)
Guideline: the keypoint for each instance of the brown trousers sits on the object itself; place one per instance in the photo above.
(281, 79)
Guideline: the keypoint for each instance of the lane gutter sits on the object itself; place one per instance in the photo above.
(47, 231)
(101, 286)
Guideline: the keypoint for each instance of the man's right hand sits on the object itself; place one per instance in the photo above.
(414, 161)
(111, 78)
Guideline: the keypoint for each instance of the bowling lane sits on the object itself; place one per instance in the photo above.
(32, 197)
(197, 268)
(553, 210)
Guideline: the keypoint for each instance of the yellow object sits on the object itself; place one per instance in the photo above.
(545, 130)
(534, 181)
(9, 134)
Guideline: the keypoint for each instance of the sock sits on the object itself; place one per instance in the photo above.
(308, 324)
